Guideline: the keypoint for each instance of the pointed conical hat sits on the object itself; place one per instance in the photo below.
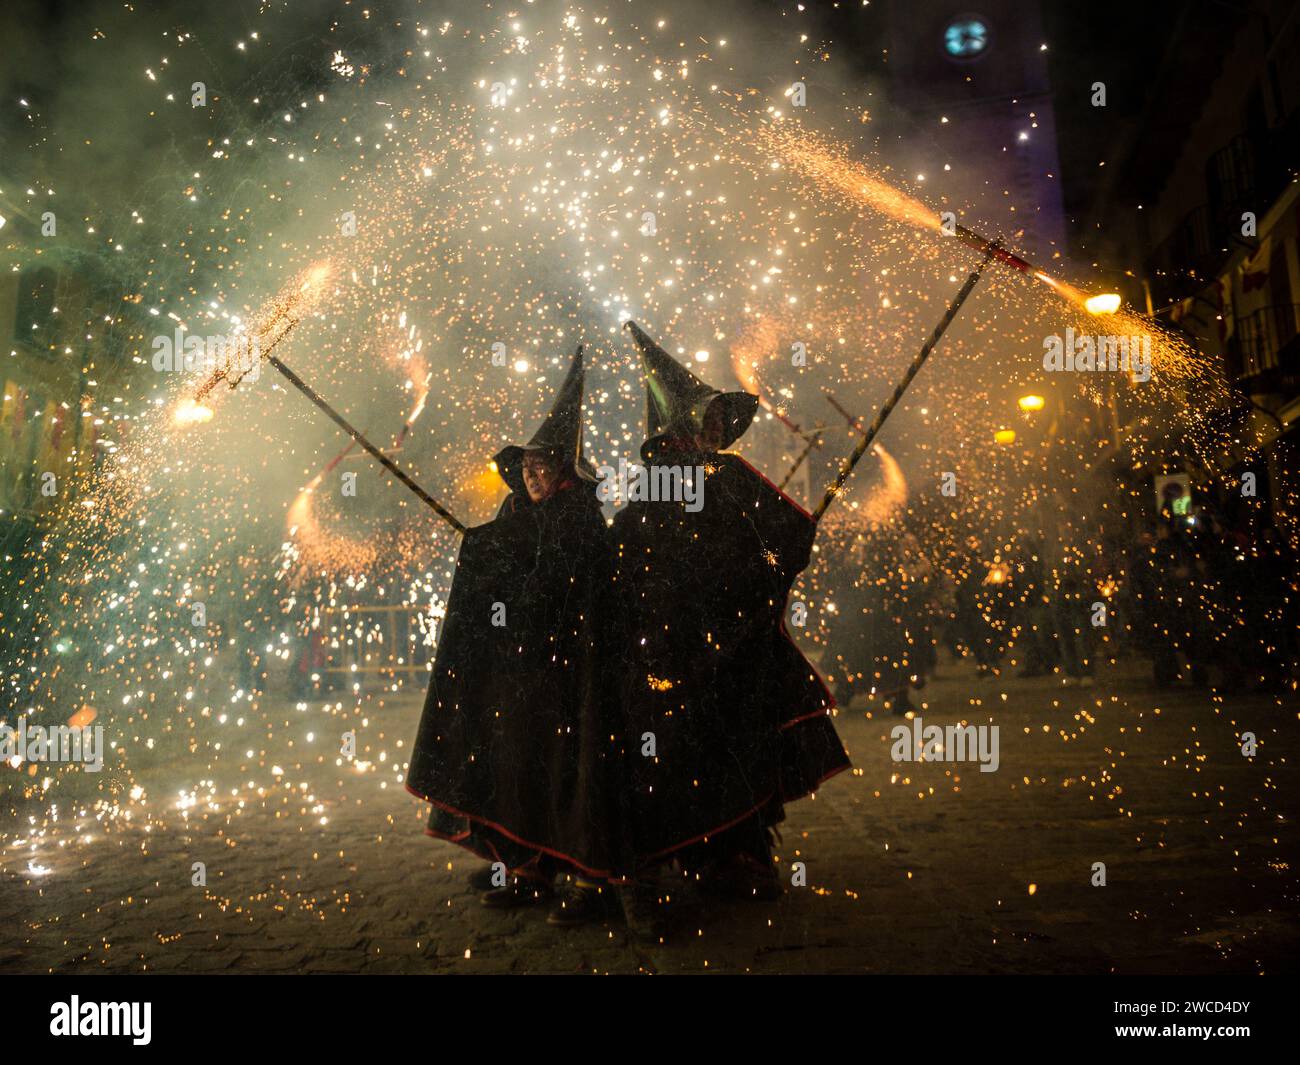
(677, 400)
(560, 433)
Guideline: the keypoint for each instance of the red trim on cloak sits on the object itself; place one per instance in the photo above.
(494, 856)
(520, 871)
(602, 873)
(829, 699)
(672, 443)
(799, 720)
(678, 444)
(831, 704)
(747, 814)
(642, 862)
(826, 692)
(460, 841)
(759, 475)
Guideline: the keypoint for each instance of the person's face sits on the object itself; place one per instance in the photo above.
(540, 475)
(710, 437)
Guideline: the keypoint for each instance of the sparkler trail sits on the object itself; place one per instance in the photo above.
(833, 172)
(295, 301)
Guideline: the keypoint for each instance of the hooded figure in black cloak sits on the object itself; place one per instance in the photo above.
(739, 719)
(515, 749)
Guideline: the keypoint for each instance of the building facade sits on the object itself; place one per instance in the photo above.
(1197, 219)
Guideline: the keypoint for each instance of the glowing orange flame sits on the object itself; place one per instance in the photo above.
(83, 717)
(188, 412)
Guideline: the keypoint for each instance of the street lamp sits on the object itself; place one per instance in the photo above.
(1105, 303)
(1031, 403)
(1005, 436)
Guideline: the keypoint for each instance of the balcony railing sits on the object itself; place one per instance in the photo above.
(1246, 174)
(1266, 342)
(1231, 178)
(1188, 253)
(1250, 172)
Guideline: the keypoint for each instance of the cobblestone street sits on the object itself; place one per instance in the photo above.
(911, 868)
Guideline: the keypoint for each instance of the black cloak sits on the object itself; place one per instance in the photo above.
(740, 719)
(517, 748)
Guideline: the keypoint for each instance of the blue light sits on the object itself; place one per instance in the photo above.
(965, 38)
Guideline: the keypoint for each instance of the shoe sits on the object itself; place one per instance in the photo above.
(642, 912)
(581, 904)
(481, 879)
(743, 877)
(519, 891)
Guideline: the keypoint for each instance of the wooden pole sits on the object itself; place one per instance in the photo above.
(370, 448)
(834, 489)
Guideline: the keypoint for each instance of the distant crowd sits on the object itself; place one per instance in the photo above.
(1206, 603)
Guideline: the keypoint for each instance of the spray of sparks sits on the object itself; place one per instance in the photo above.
(531, 182)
